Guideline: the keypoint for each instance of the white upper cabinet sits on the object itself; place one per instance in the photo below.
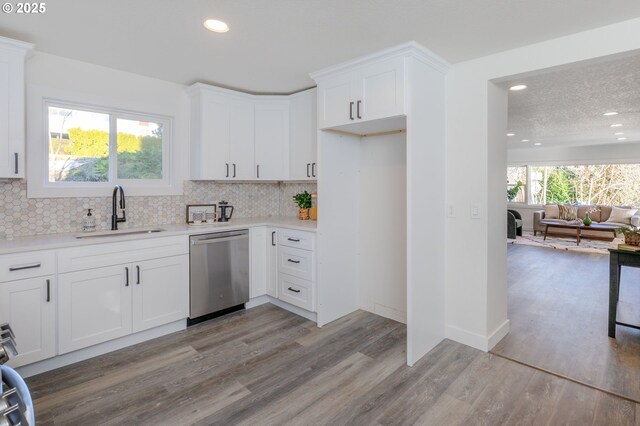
(12, 121)
(303, 144)
(221, 135)
(271, 139)
(365, 92)
(237, 136)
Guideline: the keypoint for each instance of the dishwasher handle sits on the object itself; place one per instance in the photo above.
(218, 239)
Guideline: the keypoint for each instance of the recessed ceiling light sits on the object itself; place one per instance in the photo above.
(525, 140)
(511, 134)
(216, 26)
(537, 144)
(610, 113)
(518, 87)
(616, 125)
(622, 139)
(619, 133)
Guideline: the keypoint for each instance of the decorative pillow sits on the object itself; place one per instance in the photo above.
(567, 212)
(551, 211)
(620, 215)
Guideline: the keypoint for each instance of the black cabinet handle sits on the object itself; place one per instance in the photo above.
(48, 290)
(22, 268)
(15, 159)
(351, 110)
(126, 275)
(273, 238)
(313, 169)
(227, 169)
(308, 175)
(358, 109)
(258, 171)
(234, 169)
(293, 290)
(137, 274)
(295, 240)
(293, 261)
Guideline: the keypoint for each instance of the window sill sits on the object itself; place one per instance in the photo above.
(100, 191)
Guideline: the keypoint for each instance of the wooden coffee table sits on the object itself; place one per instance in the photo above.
(579, 227)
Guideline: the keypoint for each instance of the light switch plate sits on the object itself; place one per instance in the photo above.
(475, 211)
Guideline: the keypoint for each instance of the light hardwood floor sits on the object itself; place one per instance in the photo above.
(558, 312)
(266, 366)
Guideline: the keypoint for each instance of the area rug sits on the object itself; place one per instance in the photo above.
(560, 243)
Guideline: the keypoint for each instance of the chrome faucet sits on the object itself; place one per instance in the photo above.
(114, 215)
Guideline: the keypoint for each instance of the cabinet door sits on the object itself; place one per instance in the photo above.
(303, 136)
(29, 307)
(211, 150)
(272, 140)
(272, 262)
(336, 102)
(160, 291)
(11, 115)
(258, 277)
(382, 90)
(93, 306)
(241, 137)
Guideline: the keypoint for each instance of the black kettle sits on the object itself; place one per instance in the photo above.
(223, 207)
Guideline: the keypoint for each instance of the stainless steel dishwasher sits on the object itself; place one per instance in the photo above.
(219, 273)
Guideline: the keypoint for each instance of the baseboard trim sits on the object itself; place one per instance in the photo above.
(476, 340)
(256, 301)
(498, 335)
(100, 349)
(312, 316)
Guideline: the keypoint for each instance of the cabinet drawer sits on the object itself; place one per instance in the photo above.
(27, 265)
(296, 262)
(299, 239)
(296, 291)
(100, 255)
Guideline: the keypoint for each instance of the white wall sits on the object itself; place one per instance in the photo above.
(382, 258)
(74, 81)
(476, 294)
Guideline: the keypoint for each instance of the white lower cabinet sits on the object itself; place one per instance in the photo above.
(297, 291)
(160, 292)
(272, 262)
(94, 306)
(29, 305)
(109, 291)
(258, 275)
(296, 276)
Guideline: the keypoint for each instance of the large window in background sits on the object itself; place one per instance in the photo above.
(517, 178)
(607, 184)
(89, 147)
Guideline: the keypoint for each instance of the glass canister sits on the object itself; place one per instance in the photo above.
(314, 206)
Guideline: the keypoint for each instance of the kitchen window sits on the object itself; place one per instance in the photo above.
(78, 149)
(91, 146)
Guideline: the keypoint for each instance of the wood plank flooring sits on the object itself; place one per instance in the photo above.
(558, 312)
(266, 366)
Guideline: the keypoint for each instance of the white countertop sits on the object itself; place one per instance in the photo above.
(54, 241)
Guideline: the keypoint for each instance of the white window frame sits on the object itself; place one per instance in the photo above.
(38, 185)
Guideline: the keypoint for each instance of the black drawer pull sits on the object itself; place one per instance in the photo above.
(293, 261)
(293, 290)
(295, 240)
(22, 268)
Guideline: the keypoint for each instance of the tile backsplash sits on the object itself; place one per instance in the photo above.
(21, 216)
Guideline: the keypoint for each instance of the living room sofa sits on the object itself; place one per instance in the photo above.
(601, 215)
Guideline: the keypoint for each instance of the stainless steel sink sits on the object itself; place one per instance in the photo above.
(120, 233)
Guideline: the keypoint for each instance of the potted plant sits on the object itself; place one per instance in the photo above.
(513, 192)
(303, 201)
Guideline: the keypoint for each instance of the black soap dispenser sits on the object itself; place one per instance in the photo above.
(89, 222)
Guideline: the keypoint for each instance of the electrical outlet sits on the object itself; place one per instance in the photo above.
(452, 211)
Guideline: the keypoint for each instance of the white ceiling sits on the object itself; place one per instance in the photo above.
(565, 108)
(274, 44)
